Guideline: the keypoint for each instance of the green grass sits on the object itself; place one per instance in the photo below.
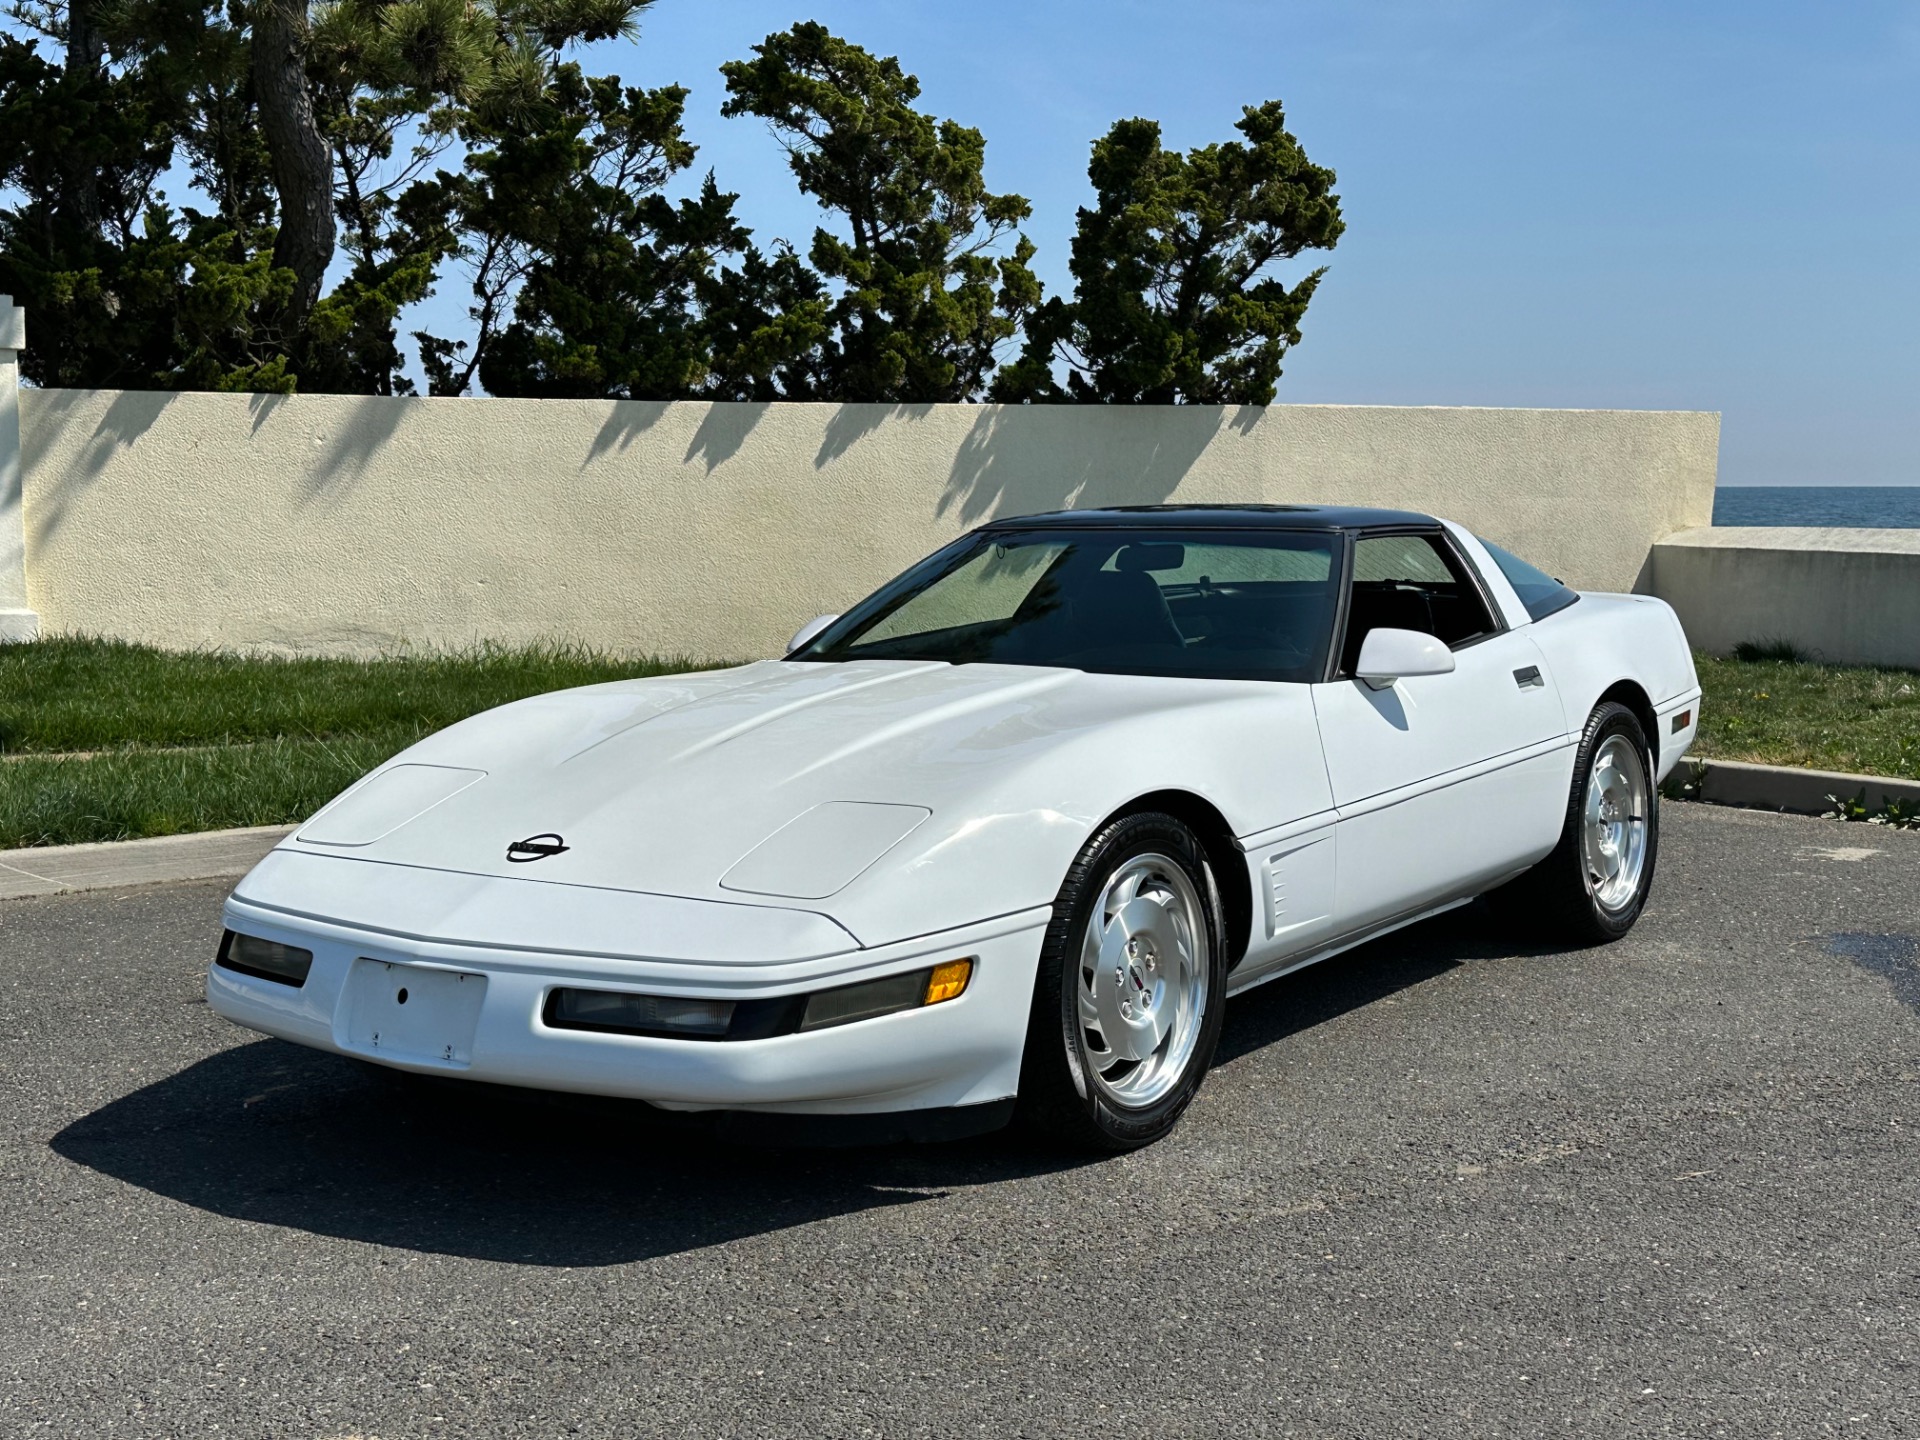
(77, 694)
(1821, 717)
(1768, 650)
(209, 740)
(121, 795)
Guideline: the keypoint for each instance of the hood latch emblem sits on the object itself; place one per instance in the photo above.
(535, 847)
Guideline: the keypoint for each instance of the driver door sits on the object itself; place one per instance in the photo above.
(1442, 784)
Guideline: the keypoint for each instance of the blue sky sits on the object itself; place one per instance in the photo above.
(1708, 205)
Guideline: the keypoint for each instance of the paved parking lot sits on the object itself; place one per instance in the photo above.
(1441, 1186)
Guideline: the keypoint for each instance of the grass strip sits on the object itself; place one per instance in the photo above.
(265, 741)
(74, 693)
(1820, 717)
(105, 740)
(128, 794)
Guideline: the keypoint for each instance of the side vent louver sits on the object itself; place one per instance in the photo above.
(1299, 886)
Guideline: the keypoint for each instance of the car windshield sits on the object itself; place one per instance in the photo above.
(1229, 605)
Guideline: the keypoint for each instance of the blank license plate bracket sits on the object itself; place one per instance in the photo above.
(413, 1012)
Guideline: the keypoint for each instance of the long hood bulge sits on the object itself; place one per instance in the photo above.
(667, 786)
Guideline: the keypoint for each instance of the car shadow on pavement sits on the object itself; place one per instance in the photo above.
(277, 1134)
(281, 1135)
(1358, 977)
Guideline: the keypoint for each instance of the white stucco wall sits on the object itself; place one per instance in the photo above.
(343, 523)
(1848, 597)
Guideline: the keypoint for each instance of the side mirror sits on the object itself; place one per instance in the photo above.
(812, 628)
(1390, 655)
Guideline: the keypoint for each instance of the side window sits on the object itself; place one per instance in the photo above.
(1411, 582)
(1399, 559)
(1538, 591)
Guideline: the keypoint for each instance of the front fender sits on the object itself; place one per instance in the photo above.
(1006, 844)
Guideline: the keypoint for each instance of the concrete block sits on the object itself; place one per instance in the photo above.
(1796, 791)
(1844, 597)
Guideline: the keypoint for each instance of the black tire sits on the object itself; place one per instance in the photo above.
(1558, 893)
(1059, 1101)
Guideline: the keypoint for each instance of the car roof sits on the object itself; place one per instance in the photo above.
(1216, 517)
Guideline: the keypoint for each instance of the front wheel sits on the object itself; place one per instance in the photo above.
(1593, 886)
(1131, 988)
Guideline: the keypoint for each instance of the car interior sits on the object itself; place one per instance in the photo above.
(1410, 582)
(1252, 607)
(1163, 607)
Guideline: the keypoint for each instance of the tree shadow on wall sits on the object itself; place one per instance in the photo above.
(851, 423)
(128, 416)
(723, 430)
(1023, 460)
(362, 428)
(626, 422)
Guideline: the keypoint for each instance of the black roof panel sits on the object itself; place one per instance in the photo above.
(1216, 517)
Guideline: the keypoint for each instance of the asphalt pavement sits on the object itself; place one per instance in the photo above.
(1449, 1184)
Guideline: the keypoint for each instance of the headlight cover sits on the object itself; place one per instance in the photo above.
(377, 807)
(822, 851)
(670, 1017)
(264, 959)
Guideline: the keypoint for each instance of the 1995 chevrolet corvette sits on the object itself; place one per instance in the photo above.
(999, 842)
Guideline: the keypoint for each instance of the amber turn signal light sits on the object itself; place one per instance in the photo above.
(948, 980)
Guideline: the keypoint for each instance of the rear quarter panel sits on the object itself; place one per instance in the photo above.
(1604, 639)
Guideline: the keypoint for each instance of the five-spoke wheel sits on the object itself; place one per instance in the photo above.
(1592, 887)
(1614, 840)
(1143, 980)
(1127, 1005)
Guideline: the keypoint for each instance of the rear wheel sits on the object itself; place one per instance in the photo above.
(1132, 982)
(1593, 886)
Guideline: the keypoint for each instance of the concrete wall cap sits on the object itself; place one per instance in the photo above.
(1798, 537)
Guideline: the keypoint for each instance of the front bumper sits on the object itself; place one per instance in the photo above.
(960, 1052)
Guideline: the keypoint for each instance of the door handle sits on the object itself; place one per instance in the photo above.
(1528, 677)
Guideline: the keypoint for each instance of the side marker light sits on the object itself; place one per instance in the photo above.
(948, 981)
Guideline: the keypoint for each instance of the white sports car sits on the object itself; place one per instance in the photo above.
(1001, 840)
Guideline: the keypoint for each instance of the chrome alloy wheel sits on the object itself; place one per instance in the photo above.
(1613, 841)
(1143, 981)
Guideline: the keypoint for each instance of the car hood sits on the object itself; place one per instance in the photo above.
(796, 784)
(666, 785)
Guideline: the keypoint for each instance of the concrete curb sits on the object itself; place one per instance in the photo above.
(211, 855)
(1795, 791)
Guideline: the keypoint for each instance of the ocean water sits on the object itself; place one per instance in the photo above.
(1895, 507)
